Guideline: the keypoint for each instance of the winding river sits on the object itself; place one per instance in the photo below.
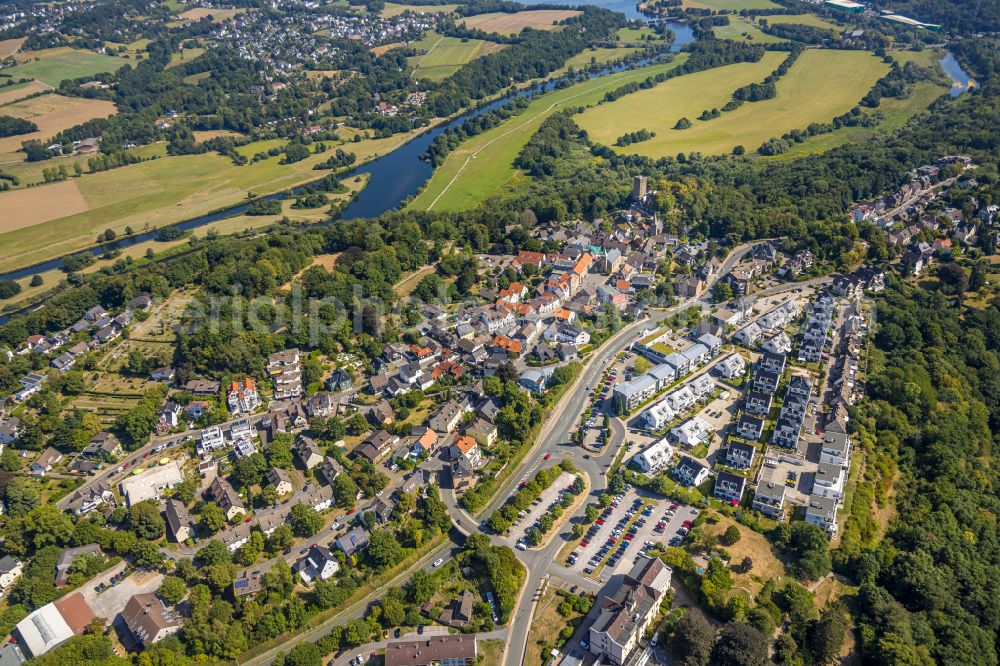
(399, 174)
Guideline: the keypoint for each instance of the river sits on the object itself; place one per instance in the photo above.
(960, 81)
(393, 177)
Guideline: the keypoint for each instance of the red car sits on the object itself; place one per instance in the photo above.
(628, 537)
(548, 455)
(687, 524)
(599, 521)
(674, 507)
(350, 512)
(584, 543)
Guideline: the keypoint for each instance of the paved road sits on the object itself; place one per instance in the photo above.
(553, 438)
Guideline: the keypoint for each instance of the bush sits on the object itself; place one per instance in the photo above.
(730, 536)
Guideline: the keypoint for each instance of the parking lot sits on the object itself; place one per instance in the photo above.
(112, 599)
(624, 529)
(781, 466)
(548, 498)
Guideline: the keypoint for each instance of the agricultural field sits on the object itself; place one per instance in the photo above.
(52, 66)
(485, 163)
(18, 91)
(512, 24)
(393, 9)
(52, 113)
(27, 207)
(162, 192)
(445, 55)
(33, 173)
(219, 15)
(740, 30)
(9, 47)
(730, 5)
(822, 84)
(385, 48)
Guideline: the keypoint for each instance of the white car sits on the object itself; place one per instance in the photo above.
(438, 562)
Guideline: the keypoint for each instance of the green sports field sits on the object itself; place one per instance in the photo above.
(484, 163)
(821, 85)
(445, 55)
(803, 19)
(52, 66)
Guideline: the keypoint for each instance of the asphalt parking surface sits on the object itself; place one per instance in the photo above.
(541, 505)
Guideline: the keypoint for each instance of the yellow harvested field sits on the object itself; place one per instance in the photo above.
(52, 113)
(14, 93)
(218, 15)
(27, 207)
(9, 47)
(821, 85)
(512, 24)
(385, 48)
(392, 9)
(205, 135)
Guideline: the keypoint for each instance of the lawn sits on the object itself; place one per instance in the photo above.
(51, 66)
(730, 5)
(740, 30)
(445, 55)
(392, 9)
(162, 192)
(637, 35)
(512, 24)
(821, 84)
(486, 162)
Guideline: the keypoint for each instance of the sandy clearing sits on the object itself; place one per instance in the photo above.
(218, 15)
(27, 207)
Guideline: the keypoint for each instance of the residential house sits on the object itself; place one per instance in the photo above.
(458, 612)
(448, 416)
(307, 451)
(224, 495)
(235, 537)
(281, 480)
(318, 564)
(466, 447)
(44, 462)
(689, 472)
(729, 487)
(91, 497)
(740, 455)
(285, 370)
(769, 498)
(169, 417)
(822, 512)
(436, 650)
(655, 457)
(179, 522)
(10, 571)
(243, 397)
(626, 608)
(10, 429)
(149, 619)
(356, 539)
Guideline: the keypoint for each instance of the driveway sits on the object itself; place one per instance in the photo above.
(112, 600)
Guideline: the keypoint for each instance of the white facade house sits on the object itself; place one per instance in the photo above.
(692, 432)
(822, 512)
(654, 458)
(732, 366)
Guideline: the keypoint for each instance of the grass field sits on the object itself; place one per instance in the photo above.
(730, 5)
(740, 30)
(161, 192)
(18, 91)
(184, 55)
(598, 56)
(803, 19)
(766, 563)
(392, 9)
(485, 163)
(52, 113)
(637, 35)
(512, 24)
(51, 66)
(445, 55)
(822, 84)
